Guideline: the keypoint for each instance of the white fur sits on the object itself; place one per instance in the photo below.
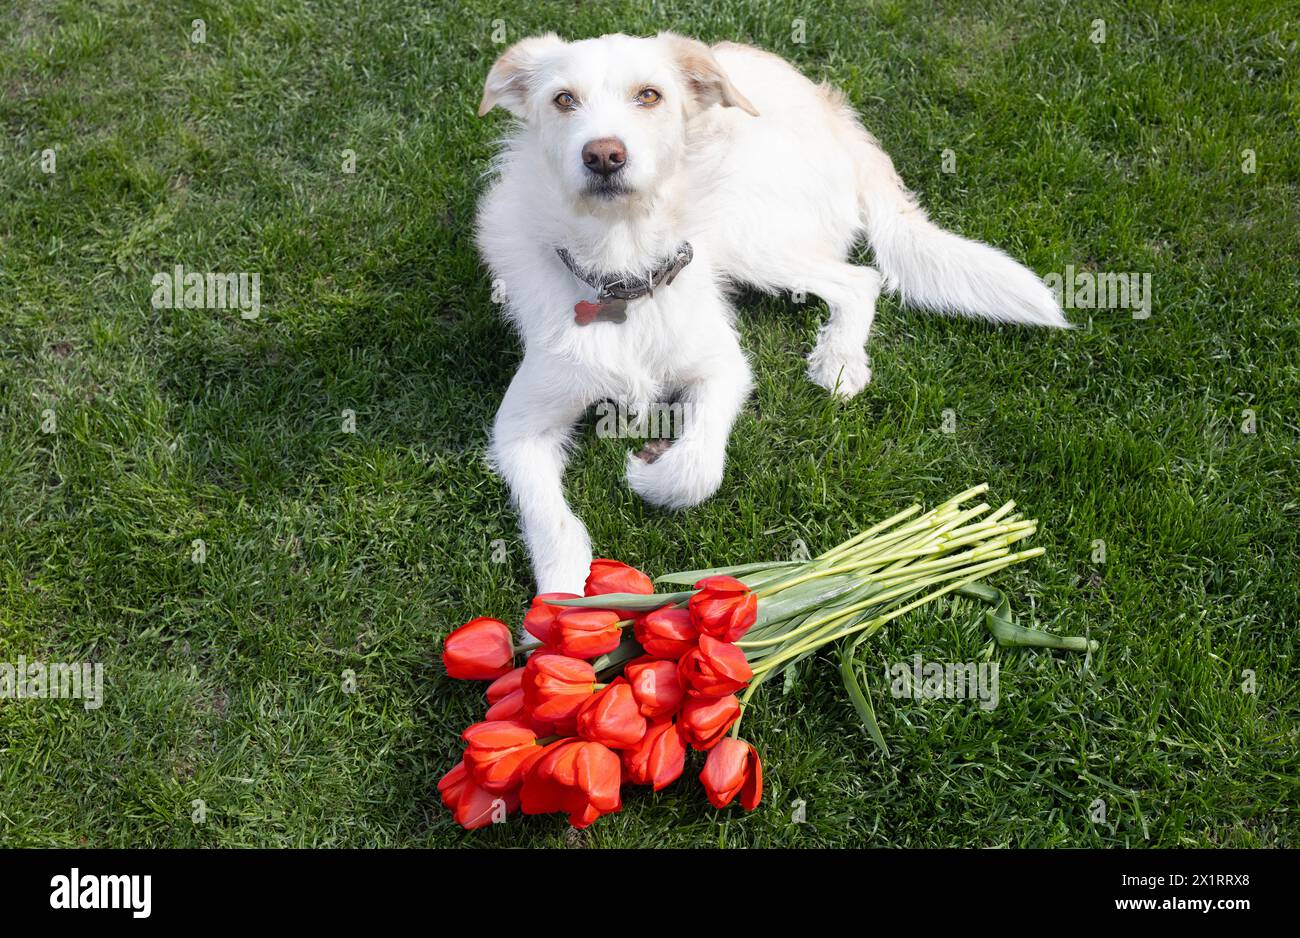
(775, 201)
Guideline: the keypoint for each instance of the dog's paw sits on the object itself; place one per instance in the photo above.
(562, 562)
(844, 374)
(679, 477)
(567, 576)
(653, 449)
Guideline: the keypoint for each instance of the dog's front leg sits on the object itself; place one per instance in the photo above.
(690, 470)
(529, 450)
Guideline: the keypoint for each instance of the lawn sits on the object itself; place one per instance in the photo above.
(262, 527)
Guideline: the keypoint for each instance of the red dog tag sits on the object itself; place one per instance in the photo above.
(585, 313)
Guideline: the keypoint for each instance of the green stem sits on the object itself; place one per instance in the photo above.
(869, 532)
(861, 561)
(823, 637)
(879, 598)
(859, 548)
(744, 703)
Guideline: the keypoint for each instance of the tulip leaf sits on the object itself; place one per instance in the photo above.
(764, 577)
(790, 679)
(822, 595)
(631, 602)
(691, 577)
(786, 666)
(1006, 631)
(628, 649)
(860, 698)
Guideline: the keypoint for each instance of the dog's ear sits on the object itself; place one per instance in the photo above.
(507, 82)
(704, 76)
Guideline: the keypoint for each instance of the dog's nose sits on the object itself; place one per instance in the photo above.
(605, 156)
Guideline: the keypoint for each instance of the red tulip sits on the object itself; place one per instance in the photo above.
(579, 777)
(508, 707)
(506, 697)
(587, 633)
(705, 720)
(656, 685)
(539, 621)
(658, 759)
(714, 668)
(724, 608)
(611, 716)
(473, 807)
(514, 708)
(505, 685)
(564, 728)
(666, 633)
(610, 576)
(555, 686)
(732, 768)
(498, 753)
(480, 650)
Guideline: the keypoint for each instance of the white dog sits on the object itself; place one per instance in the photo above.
(643, 177)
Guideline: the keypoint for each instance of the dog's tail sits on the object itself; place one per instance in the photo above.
(937, 269)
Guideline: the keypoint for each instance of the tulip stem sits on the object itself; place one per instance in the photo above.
(832, 633)
(868, 533)
(989, 561)
(744, 701)
(936, 531)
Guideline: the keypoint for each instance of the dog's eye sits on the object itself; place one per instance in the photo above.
(648, 97)
(565, 101)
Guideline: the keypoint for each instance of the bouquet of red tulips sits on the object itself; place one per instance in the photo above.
(620, 682)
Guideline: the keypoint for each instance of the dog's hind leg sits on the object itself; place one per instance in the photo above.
(838, 362)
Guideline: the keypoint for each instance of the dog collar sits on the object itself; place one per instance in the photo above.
(613, 291)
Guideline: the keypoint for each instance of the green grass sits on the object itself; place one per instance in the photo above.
(329, 552)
